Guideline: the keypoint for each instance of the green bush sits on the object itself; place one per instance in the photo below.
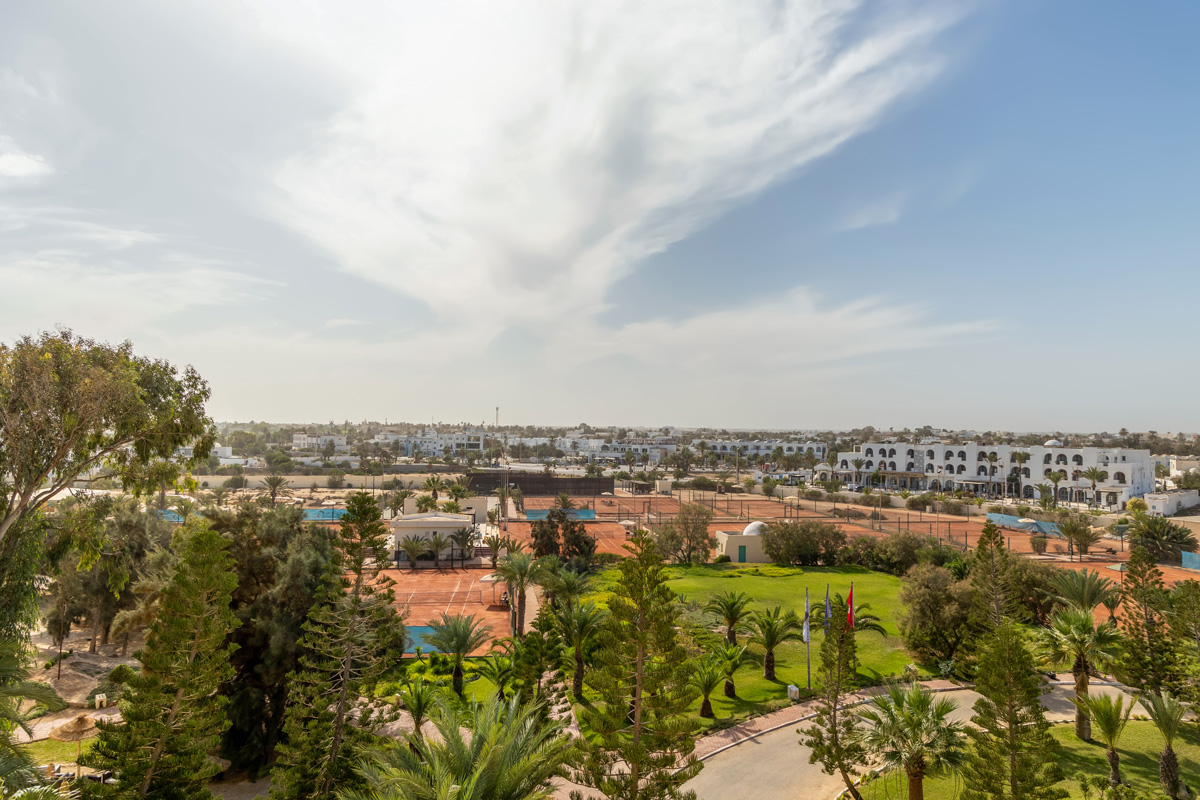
(813, 494)
(722, 559)
(605, 559)
(1038, 543)
(917, 502)
(849, 513)
(955, 507)
(1024, 511)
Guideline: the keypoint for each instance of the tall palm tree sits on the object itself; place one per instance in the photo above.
(17, 769)
(464, 540)
(184, 507)
(433, 485)
(491, 751)
(707, 676)
(426, 503)
(1056, 477)
(1167, 713)
(1079, 532)
(518, 498)
(458, 491)
(1094, 475)
(1110, 715)
(910, 731)
(1045, 494)
(770, 629)
(730, 658)
(1083, 589)
(1163, 538)
(992, 458)
(563, 500)
(495, 543)
(457, 637)
(414, 547)
(276, 486)
(519, 571)
(396, 499)
(438, 542)
(218, 495)
(858, 466)
(1074, 638)
(579, 624)
(1020, 457)
(499, 670)
(731, 608)
(419, 699)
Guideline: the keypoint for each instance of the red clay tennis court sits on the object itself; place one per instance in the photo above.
(424, 595)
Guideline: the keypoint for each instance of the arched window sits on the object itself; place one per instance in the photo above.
(1025, 472)
(867, 465)
(1046, 473)
(869, 452)
(1060, 459)
(1077, 460)
(962, 468)
(1119, 477)
(892, 452)
(910, 454)
(949, 455)
(845, 464)
(929, 454)
(962, 455)
(1046, 459)
(1075, 475)
(892, 466)
(993, 455)
(929, 469)
(909, 467)
(981, 471)
(981, 456)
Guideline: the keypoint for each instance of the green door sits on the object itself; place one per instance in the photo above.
(741, 554)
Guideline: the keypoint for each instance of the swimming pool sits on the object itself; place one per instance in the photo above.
(416, 637)
(581, 514)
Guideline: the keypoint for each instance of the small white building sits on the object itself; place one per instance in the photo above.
(425, 526)
(745, 546)
(317, 441)
(1165, 504)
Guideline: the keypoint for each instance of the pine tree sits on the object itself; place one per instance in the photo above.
(1151, 659)
(990, 576)
(172, 713)
(644, 735)
(351, 639)
(1014, 757)
(832, 736)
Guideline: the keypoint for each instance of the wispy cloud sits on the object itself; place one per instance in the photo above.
(16, 163)
(883, 211)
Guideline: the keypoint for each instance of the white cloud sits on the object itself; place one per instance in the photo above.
(340, 322)
(16, 163)
(884, 211)
(534, 153)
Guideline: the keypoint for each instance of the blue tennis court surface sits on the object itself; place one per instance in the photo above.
(584, 514)
(416, 635)
(323, 514)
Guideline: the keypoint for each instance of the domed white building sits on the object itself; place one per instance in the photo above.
(744, 546)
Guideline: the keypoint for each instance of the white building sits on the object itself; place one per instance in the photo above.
(945, 467)
(1165, 504)
(317, 441)
(745, 546)
(431, 443)
(425, 526)
(761, 450)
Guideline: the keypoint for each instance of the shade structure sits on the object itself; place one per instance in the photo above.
(78, 729)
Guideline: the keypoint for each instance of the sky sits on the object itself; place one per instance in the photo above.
(742, 214)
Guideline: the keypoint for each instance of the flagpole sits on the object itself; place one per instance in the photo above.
(807, 638)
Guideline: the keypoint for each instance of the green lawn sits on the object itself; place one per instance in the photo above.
(48, 750)
(771, 585)
(1139, 750)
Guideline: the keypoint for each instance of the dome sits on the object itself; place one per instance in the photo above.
(755, 529)
(1053, 443)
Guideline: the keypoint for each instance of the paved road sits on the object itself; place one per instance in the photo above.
(775, 765)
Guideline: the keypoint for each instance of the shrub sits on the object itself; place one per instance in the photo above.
(955, 507)
(997, 510)
(704, 484)
(605, 559)
(1038, 543)
(813, 494)
(1024, 511)
(1136, 504)
(806, 543)
(838, 498)
(721, 559)
(901, 551)
(917, 502)
(849, 513)
(861, 550)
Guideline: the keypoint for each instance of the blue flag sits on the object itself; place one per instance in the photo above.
(806, 615)
(828, 608)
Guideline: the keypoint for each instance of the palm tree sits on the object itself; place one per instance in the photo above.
(396, 499)
(518, 498)
(1019, 457)
(519, 571)
(1056, 477)
(1082, 590)
(858, 465)
(451, 507)
(184, 507)
(414, 547)
(419, 699)
(730, 659)
(437, 543)
(1045, 494)
(771, 629)
(563, 501)
(426, 503)
(276, 486)
(706, 678)
(579, 624)
(1073, 637)
(458, 491)
(491, 751)
(457, 637)
(218, 495)
(433, 485)
(1079, 532)
(731, 608)
(499, 670)
(1111, 716)
(1095, 475)
(992, 458)
(1163, 538)
(910, 731)
(17, 768)
(495, 542)
(464, 540)
(1167, 713)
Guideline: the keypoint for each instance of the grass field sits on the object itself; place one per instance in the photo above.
(47, 751)
(1139, 750)
(770, 585)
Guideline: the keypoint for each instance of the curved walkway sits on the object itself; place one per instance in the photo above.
(744, 763)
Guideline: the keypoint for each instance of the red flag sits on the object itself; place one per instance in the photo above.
(850, 610)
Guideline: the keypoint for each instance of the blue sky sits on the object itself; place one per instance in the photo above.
(793, 214)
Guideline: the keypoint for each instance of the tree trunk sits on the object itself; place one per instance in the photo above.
(458, 679)
(521, 613)
(1168, 772)
(95, 631)
(1083, 720)
(577, 685)
(731, 635)
(1114, 768)
(916, 785)
(706, 708)
(730, 690)
(769, 665)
